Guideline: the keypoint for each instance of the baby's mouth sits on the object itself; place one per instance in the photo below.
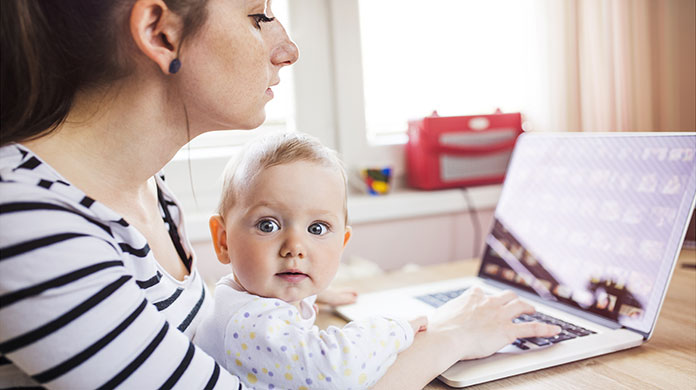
(292, 276)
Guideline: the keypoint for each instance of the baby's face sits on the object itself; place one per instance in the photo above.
(286, 234)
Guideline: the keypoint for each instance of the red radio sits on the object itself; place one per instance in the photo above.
(460, 151)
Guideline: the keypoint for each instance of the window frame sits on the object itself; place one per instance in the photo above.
(353, 143)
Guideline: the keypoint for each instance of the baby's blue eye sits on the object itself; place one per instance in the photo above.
(318, 229)
(267, 226)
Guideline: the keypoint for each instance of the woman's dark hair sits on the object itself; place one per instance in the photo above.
(50, 49)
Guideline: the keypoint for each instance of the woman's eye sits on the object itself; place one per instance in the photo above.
(260, 18)
(318, 229)
(268, 226)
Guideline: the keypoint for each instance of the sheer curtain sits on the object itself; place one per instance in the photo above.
(620, 65)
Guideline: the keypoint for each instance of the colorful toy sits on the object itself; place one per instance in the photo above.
(377, 180)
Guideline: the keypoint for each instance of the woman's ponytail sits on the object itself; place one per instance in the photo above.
(34, 97)
(51, 49)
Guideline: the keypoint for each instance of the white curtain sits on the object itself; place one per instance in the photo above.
(619, 65)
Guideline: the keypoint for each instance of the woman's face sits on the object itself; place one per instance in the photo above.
(230, 66)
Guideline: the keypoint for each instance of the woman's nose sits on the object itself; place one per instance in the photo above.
(285, 51)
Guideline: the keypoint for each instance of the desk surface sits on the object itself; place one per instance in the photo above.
(666, 361)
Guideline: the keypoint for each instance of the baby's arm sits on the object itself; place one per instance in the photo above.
(274, 347)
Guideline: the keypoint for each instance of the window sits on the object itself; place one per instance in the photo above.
(360, 63)
(456, 57)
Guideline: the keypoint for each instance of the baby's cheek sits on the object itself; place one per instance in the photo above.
(250, 281)
(328, 273)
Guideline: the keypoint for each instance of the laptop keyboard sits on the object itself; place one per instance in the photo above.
(568, 331)
(439, 299)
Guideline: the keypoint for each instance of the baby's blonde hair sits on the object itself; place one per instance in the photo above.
(271, 150)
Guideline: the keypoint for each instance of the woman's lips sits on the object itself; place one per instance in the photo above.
(269, 92)
(292, 277)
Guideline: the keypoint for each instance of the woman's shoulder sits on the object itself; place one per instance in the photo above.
(25, 178)
(39, 202)
(49, 229)
(51, 226)
(18, 165)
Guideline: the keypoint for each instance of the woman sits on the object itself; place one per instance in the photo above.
(99, 287)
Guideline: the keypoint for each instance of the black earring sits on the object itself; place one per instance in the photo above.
(174, 66)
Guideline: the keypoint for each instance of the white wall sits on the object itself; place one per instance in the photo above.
(428, 240)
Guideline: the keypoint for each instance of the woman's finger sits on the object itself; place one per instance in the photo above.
(472, 295)
(476, 290)
(503, 298)
(516, 307)
(337, 297)
(535, 329)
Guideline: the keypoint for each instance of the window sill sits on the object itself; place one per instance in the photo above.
(408, 203)
(401, 204)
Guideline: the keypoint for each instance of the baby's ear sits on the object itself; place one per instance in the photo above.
(346, 235)
(219, 235)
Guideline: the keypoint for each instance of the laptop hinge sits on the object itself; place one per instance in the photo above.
(560, 306)
(646, 335)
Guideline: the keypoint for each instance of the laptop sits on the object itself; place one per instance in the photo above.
(588, 229)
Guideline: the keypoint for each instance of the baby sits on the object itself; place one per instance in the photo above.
(282, 226)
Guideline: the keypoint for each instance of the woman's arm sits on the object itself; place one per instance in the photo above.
(425, 359)
(471, 326)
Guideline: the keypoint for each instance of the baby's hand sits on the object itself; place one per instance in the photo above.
(337, 297)
(419, 324)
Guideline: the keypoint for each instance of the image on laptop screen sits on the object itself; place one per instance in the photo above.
(594, 221)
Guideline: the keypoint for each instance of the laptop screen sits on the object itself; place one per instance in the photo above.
(594, 220)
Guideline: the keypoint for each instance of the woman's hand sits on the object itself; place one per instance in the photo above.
(419, 324)
(481, 324)
(473, 325)
(337, 297)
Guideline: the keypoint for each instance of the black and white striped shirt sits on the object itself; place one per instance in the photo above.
(83, 302)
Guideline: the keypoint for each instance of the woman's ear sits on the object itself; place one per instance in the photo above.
(219, 235)
(346, 235)
(156, 31)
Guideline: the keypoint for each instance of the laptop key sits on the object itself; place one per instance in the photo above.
(454, 294)
(430, 300)
(443, 297)
(561, 337)
(539, 341)
(519, 343)
(560, 323)
(525, 318)
(540, 316)
(438, 299)
(575, 330)
(580, 332)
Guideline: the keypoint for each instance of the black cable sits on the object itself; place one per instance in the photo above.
(476, 223)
